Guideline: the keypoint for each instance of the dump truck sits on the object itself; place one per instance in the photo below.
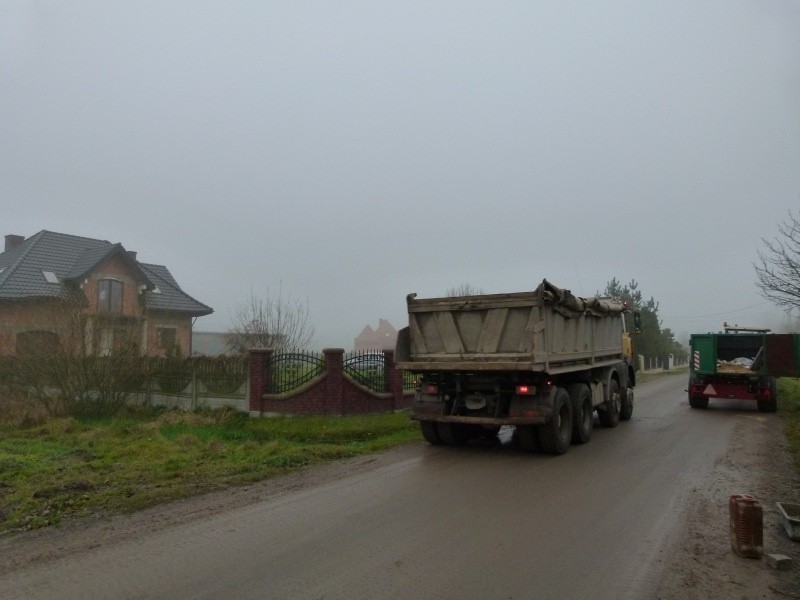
(542, 361)
(741, 363)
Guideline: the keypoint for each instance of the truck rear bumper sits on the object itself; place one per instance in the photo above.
(533, 420)
(736, 390)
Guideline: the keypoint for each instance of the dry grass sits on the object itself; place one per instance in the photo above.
(16, 411)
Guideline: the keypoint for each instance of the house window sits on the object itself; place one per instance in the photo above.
(50, 277)
(166, 338)
(37, 343)
(112, 339)
(109, 296)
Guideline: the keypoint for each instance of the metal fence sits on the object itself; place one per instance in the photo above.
(292, 369)
(368, 368)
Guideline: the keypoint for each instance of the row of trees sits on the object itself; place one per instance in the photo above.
(653, 339)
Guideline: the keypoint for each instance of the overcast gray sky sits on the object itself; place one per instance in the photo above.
(354, 152)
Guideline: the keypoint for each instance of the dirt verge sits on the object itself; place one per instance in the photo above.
(703, 565)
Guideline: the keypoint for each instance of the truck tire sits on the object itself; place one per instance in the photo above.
(698, 401)
(430, 432)
(609, 411)
(555, 436)
(582, 412)
(525, 439)
(453, 434)
(770, 405)
(626, 404)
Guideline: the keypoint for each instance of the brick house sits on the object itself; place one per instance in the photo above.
(382, 338)
(53, 284)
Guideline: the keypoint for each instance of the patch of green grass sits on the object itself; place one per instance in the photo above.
(789, 409)
(63, 468)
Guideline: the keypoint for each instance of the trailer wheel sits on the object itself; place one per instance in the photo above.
(767, 406)
(698, 401)
(770, 405)
(609, 413)
(626, 405)
(430, 432)
(453, 434)
(582, 412)
(556, 435)
(525, 439)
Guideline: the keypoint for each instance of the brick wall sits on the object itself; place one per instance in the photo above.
(333, 393)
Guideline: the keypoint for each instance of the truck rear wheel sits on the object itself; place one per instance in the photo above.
(698, 401)
(582, 412)
(556, 435)
(609, 412)
(770, 405)
(453, 434)
(626, 405)
(430, 432)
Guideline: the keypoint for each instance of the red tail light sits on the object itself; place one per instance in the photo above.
(526, 390)
(430, 389)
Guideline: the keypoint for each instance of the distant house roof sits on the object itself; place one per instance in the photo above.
(45, 264)
(384, 337)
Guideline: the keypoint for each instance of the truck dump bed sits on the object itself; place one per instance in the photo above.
(547, 330)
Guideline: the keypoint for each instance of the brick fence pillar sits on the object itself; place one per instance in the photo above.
(260, 377)
(395, 379)
(334, 381)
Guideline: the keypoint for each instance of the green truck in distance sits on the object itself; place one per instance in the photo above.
(741, 363)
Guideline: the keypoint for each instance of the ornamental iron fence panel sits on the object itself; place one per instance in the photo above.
(291, 369)
(368, 368)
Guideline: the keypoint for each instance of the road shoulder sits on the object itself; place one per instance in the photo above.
(702, 564)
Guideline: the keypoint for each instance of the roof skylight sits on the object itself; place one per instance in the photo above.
(50, 277)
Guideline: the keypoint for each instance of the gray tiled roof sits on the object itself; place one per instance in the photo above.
(167, 295)
(71, 258)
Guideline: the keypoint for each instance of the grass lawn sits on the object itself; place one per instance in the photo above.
(789, 410)
(56, 468)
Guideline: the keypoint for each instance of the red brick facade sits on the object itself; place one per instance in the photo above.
(133, 320)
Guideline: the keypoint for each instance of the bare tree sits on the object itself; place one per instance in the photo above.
(778, 267)
(465, 289)
(271, 321)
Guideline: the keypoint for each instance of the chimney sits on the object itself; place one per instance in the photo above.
(132, 255)
(12, 241)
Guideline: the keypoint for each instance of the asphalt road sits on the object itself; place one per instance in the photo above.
(477, 522)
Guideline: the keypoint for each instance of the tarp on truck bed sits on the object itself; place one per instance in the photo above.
(568, 305)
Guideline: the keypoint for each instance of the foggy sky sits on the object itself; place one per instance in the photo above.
(354, 152)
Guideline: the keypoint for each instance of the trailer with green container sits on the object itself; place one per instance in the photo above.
(742, 363)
